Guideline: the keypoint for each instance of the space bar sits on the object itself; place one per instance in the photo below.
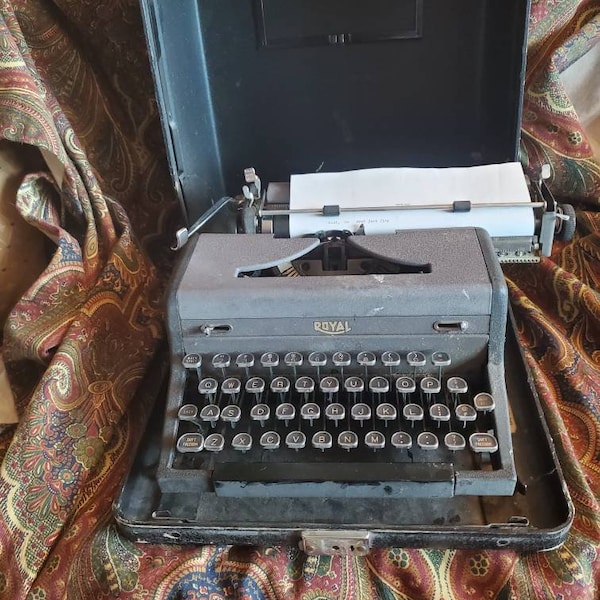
(347, 480)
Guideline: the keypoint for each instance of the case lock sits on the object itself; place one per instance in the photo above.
(336, 543)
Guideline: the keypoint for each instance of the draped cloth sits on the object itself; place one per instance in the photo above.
(75, 83)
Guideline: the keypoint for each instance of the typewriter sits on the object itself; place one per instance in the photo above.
(382, 374)
(340, 386)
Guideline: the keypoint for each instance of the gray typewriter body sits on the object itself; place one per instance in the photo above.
(455, 310)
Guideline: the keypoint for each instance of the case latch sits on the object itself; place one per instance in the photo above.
(335, 542)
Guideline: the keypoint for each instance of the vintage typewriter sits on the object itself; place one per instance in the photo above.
(339, 385)
(381, 375)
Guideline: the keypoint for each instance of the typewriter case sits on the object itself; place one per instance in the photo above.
(306, 85)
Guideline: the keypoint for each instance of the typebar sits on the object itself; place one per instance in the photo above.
(334, 480)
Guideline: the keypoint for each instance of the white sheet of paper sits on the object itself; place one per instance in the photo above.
(500, 183)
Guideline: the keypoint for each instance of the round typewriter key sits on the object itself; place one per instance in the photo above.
(280, 385)
(406, 385)
(255, 385)
(269, 359)
(347, 440)
(244, 361)
(190, 443)
(379, 385)
(260, 413)
(386, 412)
(360, 412)
(439, 413)
(416, 359)
(188, 412)
(366, 359)
(310, 411)
(390, 359)
(413, 412)
(375, 440)
(305, 385)
(401, 440)
(457, 385)
(484, 402)
(210, 413)
(427, 441)
(192, 361)
(295, 440)
(208, 386)
(322, 440)
(317, 359)
(483, 442)
(231, 414)
(293, 359)
(341, 359)
(465, 413)
(455, 441)
(214, 442)
(270, 440)
(441, 359)
(221, 361)
(231, 386)
(335, 412)
(354, 385)
(430, 385)
(285, 412)
(329, 385)
(242, 442)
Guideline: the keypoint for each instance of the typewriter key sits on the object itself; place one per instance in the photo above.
(441, 359)
(294, 360)
(416, 359)
(483, 442)
(457, 385)
(296, 440)
(310, 411)
(221, 361)
(427, 441)
(329, 385)
(354, 385)
(242, 442)
(401, 440)
(484, 402)
(406, 385)
(231, 386)
(260, 413)
(322, 440)
(430, 386)
(214, 442)
(193, 361)
(465, 413)
(386, 412)
(341, 359)
(360, 412)
(285, 412)
(455, 441)
(347, 440)
(413, 412)
(210, 414)
(379, 385)
(190, 443)
(335, 412)
(270, 440)
(375, 440)
(188, 412)
(255, 386)
(390, 359)
(280, 385)
(231, 414)
(305, 385)
(439, 413)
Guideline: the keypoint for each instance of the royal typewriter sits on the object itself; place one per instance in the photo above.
(343, 366)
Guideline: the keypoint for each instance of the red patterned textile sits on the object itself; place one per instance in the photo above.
(74, 81)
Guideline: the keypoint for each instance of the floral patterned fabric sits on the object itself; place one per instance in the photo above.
(75, 83)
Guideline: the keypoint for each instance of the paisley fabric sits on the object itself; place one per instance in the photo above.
(75, 83)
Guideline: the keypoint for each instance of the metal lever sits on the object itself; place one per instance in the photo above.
(183, 235)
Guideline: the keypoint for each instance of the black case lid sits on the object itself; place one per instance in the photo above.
(295, 86)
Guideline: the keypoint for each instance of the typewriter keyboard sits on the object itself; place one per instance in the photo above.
(334, 424)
